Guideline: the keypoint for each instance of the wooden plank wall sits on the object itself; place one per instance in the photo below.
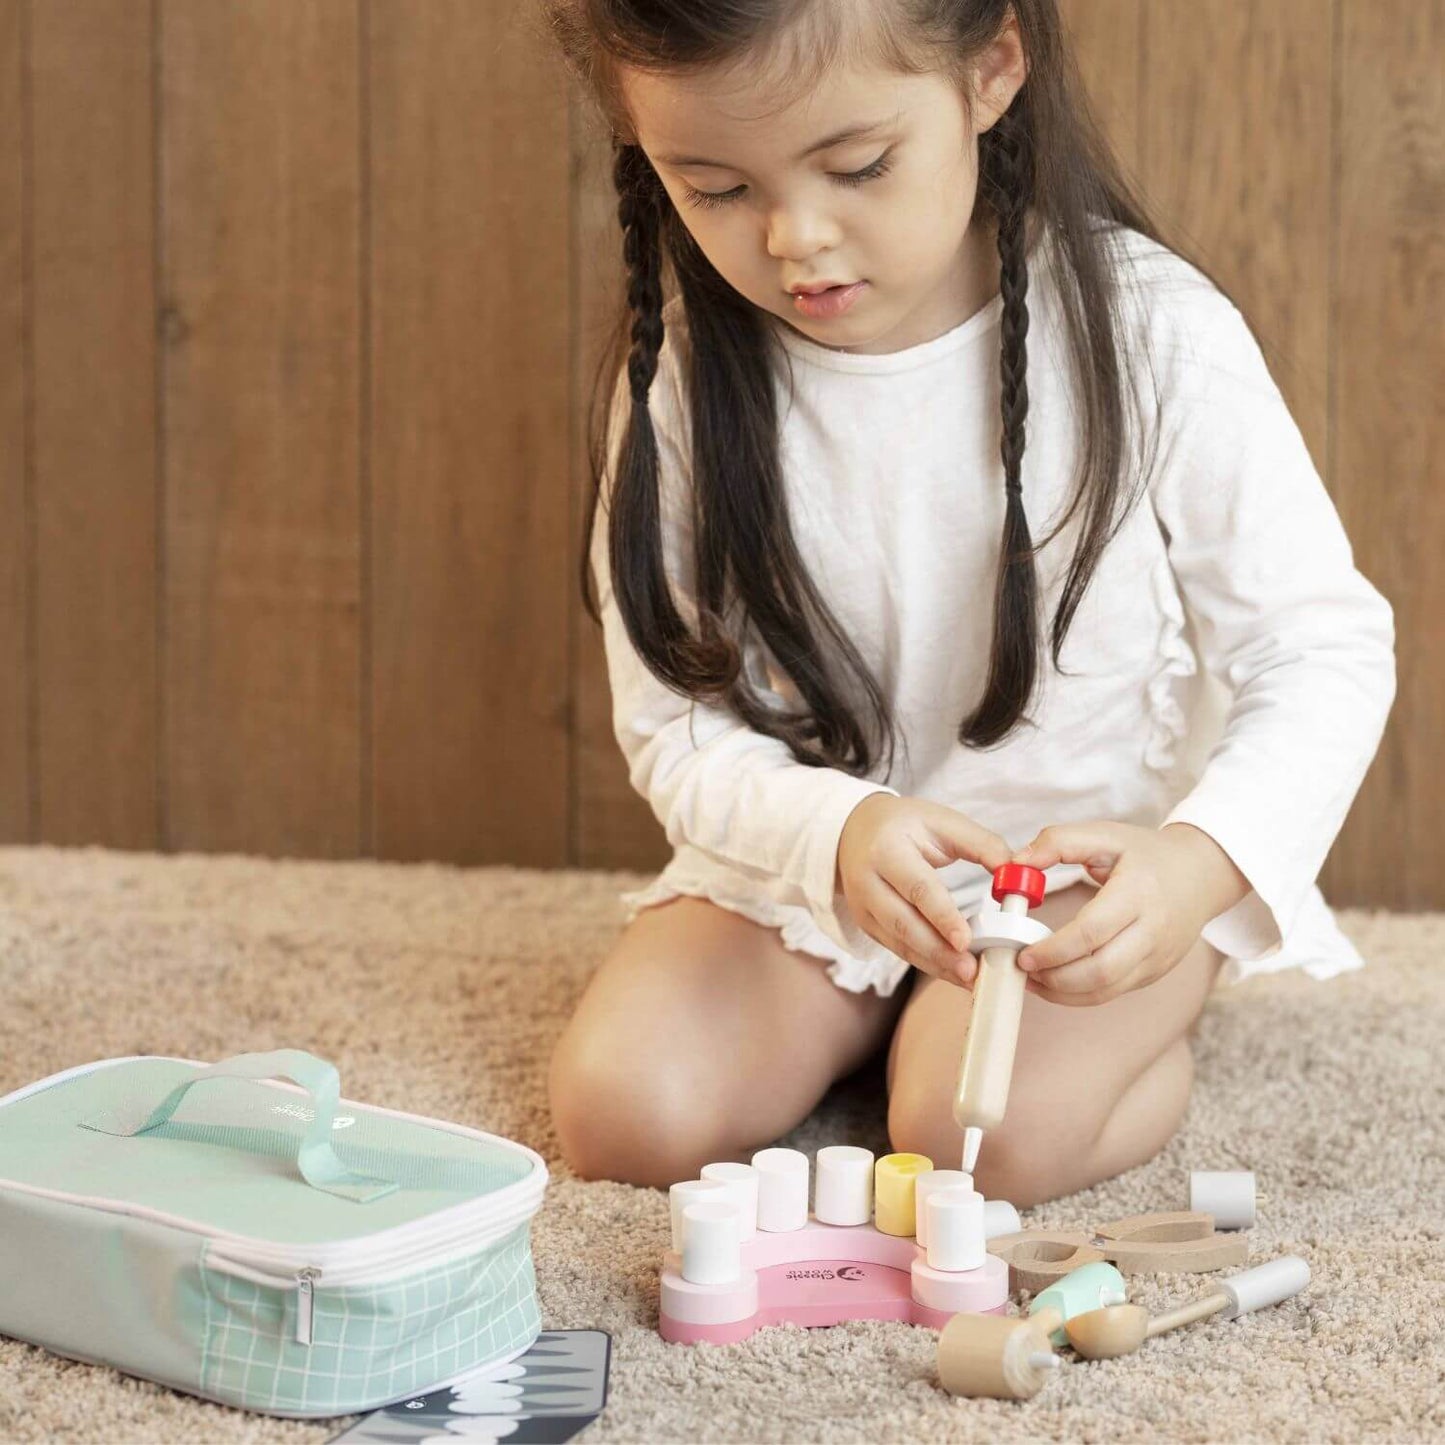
(300, 304)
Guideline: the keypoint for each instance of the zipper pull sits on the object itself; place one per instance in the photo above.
(305, 1303)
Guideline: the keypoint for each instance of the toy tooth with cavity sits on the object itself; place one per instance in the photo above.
(998, 1000)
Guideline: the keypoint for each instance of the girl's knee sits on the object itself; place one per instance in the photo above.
(1019, 1160)
(618, 1116)
(1027, 1164)
(1054, 1139)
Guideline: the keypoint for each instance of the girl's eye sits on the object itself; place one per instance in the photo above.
(708, 199)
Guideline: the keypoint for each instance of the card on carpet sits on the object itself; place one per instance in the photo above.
(545, 1396)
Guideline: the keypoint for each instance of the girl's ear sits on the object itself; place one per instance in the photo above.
(998, 74)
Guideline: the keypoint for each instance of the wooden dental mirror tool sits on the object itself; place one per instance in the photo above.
(998, 1000)
(1116, 1330)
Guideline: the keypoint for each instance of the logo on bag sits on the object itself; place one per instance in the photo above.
(299, 1111)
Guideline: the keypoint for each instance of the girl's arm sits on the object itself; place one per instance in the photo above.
(1303, 640)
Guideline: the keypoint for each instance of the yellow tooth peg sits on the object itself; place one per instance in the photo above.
(894, 1179)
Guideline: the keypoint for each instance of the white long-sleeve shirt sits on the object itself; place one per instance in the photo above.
(1228, 666)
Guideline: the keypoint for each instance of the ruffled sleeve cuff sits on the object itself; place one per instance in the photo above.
(1254, 927)
(825, 901)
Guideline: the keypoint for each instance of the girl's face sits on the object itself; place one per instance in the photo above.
(773, 208)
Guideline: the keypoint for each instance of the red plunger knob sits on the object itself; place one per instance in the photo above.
(1018, 878)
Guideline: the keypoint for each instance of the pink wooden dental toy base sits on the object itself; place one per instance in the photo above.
(824, 1274)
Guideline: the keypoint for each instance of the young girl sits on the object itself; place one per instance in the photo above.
(824, 607)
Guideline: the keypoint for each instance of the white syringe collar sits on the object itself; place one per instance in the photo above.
(993, 928)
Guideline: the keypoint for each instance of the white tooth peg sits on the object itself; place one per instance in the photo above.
(1000, 1217)
(843, 1188)
(711, 1249)
(782, 1189)
(955, 1229)
(741, 1183)
(925, 1185)
(1227, 1194)
(692, 1191)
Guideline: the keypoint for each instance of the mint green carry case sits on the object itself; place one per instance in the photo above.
(261, 1244)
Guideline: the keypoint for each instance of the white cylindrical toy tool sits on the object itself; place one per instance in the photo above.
(741, 1183)
(1227, 1194)
(782, 1189)
(998, 999)
(1265, 1284)
(710, 1245)
(955, 1229)
(1251, 1289)
(691, 1191)
(843, 1186)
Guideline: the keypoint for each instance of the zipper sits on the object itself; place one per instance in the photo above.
(305, 1303)
(346, 1264)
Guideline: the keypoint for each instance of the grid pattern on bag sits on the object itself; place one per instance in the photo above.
(369, 1342)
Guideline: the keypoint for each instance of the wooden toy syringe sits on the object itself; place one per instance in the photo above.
(998, 999)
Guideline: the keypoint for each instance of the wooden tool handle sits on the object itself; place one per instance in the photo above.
(1187, 1314)
(993, 1031)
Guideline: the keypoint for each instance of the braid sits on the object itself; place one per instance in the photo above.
(638, 212)
(636, 520)
(1014, 168)
(635, 544)
(1006, 180)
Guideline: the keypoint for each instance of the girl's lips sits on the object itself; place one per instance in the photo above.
(830, 303)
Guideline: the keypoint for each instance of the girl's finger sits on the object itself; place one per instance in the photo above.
(958, 836)
(908, 873)
(1079, 1000)
(1107, 969)
(900, 927)
(1103, 917)
(1094, 844)
(1084, 1000)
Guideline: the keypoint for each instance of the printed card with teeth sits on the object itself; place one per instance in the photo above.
(543, 1397)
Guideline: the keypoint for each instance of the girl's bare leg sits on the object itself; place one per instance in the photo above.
(1096, 1090)
(699, 1038)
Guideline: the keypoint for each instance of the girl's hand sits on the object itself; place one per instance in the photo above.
(1160, 887)
(887, 854)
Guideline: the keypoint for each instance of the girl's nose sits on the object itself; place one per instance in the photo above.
(798, 234)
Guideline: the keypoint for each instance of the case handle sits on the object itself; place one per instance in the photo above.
(317, 1161)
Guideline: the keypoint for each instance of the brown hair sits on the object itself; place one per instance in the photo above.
(1044, 162)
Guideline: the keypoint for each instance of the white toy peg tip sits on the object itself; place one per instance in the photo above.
(972, 1139)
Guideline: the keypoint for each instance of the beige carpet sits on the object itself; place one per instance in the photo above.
(440, 991)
